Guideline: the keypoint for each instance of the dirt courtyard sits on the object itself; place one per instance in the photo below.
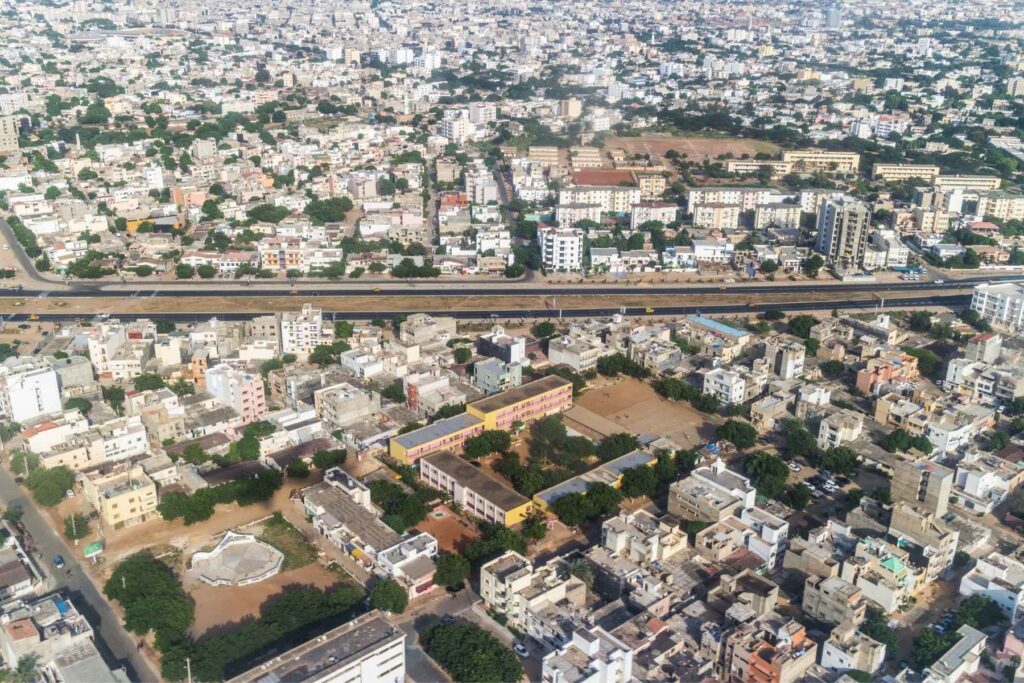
(453, 533)
(635, 407)
(695, 148)
(216, 605)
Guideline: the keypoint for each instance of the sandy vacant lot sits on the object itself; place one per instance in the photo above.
(636, 407)
(216, 605)
(696, 148)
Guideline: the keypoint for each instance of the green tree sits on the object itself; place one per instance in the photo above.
(544, 329)
(800, 325)
(462, 355)
(799, 442)
(832, 369)
(206, 271)
(812, 265)
(767, 472)
(297, 469)
(928, 647)
(980, 612)
(389, 596)
(739, 434)
(114, 396)
(49, 485)
(152, 598)
(452, 570)
(639, 481)
(486, 442)
(76, 526)
(468, 653)
(326, 459)
(876, 626)
(615, 445)
(148, 382)
(841, 460)
(82, 405)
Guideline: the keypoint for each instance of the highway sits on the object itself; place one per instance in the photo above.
(861, 305)
(116, 643)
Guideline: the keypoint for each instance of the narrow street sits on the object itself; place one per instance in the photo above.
(116, 642)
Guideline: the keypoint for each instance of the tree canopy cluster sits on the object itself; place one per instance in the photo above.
(469, 653)
(199, 506)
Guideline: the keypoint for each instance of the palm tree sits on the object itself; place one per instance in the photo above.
(27, 668)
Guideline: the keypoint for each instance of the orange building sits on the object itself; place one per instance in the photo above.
(889, 367)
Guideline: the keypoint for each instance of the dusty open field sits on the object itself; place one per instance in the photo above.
(216, 605)
(452, 533)
(696, 148)
(636, 407)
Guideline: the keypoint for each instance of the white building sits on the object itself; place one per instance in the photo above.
(999, 578)
(592, 656)
(1001, 305)
(28, 389)
(560, 249)
(302, 332)
(238, 389)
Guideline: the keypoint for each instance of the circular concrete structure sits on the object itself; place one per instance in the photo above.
(238, 559)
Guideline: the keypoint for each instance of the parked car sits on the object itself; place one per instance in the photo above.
(793, 467)
(521, 650)
(58, 562)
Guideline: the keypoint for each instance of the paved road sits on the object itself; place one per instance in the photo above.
(860, 305)
(419, 667)
(115, 640)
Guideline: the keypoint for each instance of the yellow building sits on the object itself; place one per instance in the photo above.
(444, 435)
(122, 496)
(822, 160)
(476, 491)
(534, 400)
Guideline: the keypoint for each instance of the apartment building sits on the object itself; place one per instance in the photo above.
(611, 198)
(122, 495)
(962, 660)
(561, 249)
(476, 491)
(747, 198)
(238, 389)
(1000, 304)
(580, 353)
(715, 339)
(779, 214)
(365, 650)
(847, 648)
(423, 328)
(843, 226)
(344, 516)
(342, 404)
(834, 600)
(968, 183)
(981, 382)
(839, 428)
(29, 389)
(710, 494)
(301, 332)
(593, 655)
(883, 572)
(937, 541)
(9, 134)
(922, 483)
(735, 385)
(641, 537)
(716, 216)
(538, 601)
(784, 356)
(999, 578)
(890, 367)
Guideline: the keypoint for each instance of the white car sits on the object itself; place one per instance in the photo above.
(793, 467)
(521, 650)
(939, 282)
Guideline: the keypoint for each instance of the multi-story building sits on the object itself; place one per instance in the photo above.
(839, 428)
(922, 483)
(9, 134)
(476, 491)
(29, 388)
(847, 648)
(447, 434)
(716, 216)
(891, 172)
(546, 396)
(843, 232)
(365, 650)
(303, 331)
(542, 602)
(579, 352)
(710, 494)
(785, 356)
(342, 404)
(592, 656)
(961, 661)
(1000, 304)
(890, 367)
(936, 540)
(122, 495)
(735, 385)
(999, 578)
(968, 183)
(422, 328)
(834, 600)
(809, 160)
(561, 249)
(611, 198)
(640, 537)
(883, 572)
(238, 389)
(494, 376)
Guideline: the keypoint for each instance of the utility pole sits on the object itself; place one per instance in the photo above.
(188, 668)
